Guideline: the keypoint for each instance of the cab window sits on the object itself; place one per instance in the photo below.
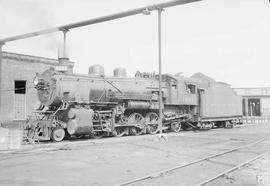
(191, 89)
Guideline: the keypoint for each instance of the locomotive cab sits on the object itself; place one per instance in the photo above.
(180, 90)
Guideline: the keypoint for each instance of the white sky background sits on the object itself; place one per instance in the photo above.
(228, 40)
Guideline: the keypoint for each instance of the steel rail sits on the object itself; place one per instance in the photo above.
(233, 169)
(64, 28)
(156, 174)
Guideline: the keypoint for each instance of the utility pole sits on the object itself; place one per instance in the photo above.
(160, 71)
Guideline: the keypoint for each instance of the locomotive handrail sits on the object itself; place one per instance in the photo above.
(104, 111)
(176, 117)
(95, 102)
(134, 96)
(113, 85)
(40, 111)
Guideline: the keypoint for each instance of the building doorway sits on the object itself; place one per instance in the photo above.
(20, 100)
(254, 107)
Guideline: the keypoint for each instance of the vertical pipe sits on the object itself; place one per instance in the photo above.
(64, 43)
(1, 61)
(159, 70)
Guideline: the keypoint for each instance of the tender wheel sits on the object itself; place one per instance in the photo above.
(211, 125)
(228, 124)
(176, 126)
(58, 134)
(151, 120)
(138, 120)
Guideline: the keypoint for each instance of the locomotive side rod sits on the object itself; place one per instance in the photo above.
(141, 10)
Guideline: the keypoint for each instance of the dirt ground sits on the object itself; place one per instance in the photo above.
(255, 173)
(111, 161)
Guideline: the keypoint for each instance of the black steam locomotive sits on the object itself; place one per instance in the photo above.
(96, 105)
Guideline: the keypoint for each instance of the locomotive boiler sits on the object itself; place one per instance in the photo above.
(96, 105)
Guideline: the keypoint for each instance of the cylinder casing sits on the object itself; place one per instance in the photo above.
(80, 121)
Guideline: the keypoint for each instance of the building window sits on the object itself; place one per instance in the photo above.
(20, 100)
(20, 87)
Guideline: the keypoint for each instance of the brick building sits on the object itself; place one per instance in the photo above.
(256, 101)
(18, 98)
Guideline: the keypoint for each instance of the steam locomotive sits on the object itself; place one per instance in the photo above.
(96, 105)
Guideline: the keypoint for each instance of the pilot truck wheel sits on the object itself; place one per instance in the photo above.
(58, 134)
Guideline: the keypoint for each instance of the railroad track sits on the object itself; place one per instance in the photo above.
(251, 150)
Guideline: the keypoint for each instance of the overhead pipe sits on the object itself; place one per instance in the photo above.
(98, 20)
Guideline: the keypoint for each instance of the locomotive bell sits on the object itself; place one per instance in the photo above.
(96, 70)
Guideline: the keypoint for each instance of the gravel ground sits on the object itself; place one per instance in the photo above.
(114, 160)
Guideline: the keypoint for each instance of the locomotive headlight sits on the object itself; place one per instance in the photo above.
(35, 81)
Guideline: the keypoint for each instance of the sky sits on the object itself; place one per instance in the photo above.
(228, 40)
